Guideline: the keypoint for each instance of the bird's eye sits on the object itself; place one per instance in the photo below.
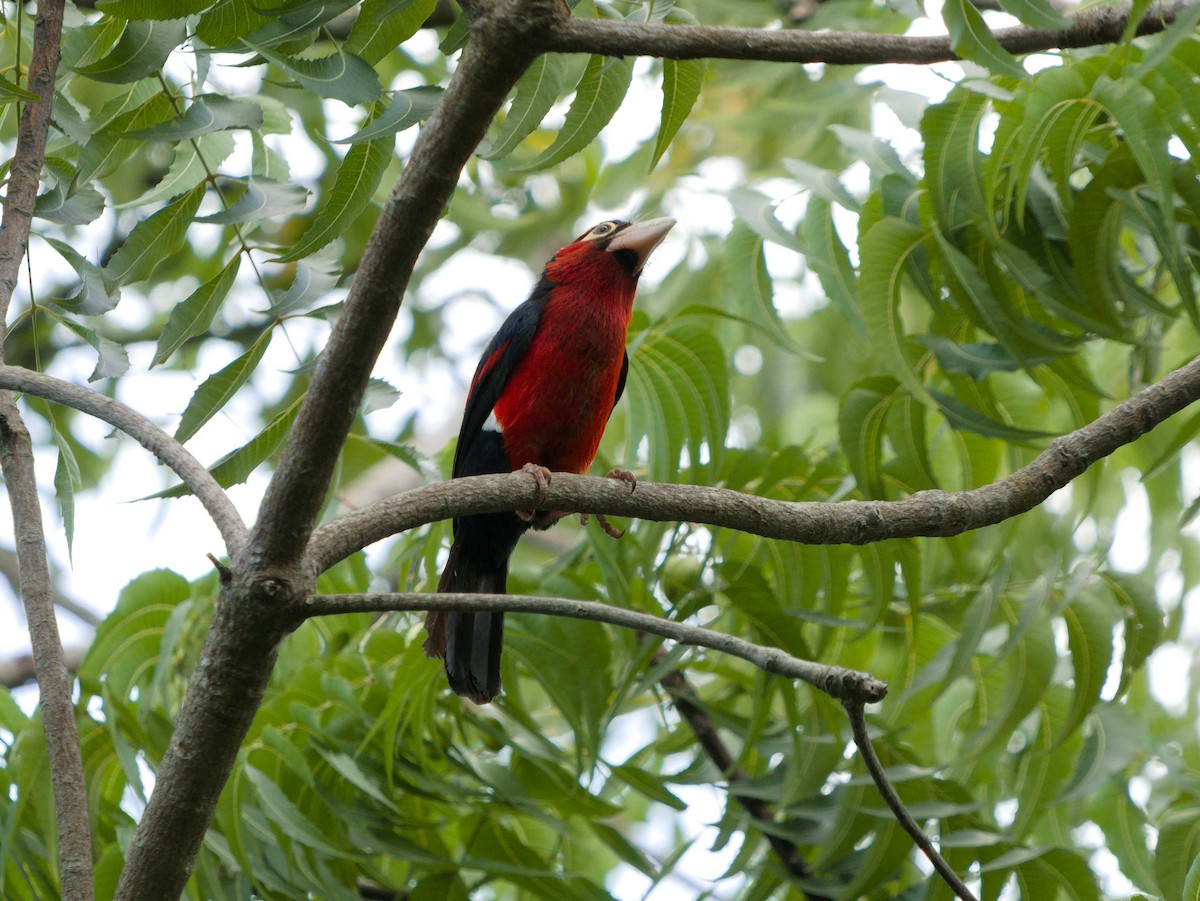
(602, 229)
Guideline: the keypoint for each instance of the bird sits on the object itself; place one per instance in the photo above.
(539, 401)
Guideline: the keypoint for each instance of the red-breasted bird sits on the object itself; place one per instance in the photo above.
(539, 401)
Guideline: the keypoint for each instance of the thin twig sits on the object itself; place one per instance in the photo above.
(926, 513)
(165, 448)
(1099, 25)
(10, 570)
(836, 681)
(687, 703)
(858, 723)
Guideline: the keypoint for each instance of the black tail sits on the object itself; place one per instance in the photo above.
(471, 643)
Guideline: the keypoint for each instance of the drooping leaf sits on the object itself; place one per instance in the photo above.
(229, 20)
(154, 238)
(193, 315)
(205, 114)
(67, 481)
(536, 92)
(972, 39)
(263, 199)
(340, 76)
(143, 48)
(152, 9)
(216, 390)
(112, 361)
(353, 186)
(753, 293)
(383, 25)
(407, 108)
(681, 87)
(193, 162)
(598, 95)
(96, 293)
(70, 207)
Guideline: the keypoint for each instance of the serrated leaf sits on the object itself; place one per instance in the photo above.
(126, 647)
(236, 466)
(11, 92)
(1090, 623)
(973, 358)
(756, 211)
(953, 163)
(340, 76)
(598, 95)
(153, 239)
(822, 183)
(103, 153)
(1178, 848)
(379, 396)
(152, 9)
(383, 25)
(353, 187)
(287, 816)
(262, 199)
(67, 481)
(536, 92)
(193, 316)
(828, 257)
(112, 361)
(205, 114)
(406, 109)
(1036, 13)
(1143, 622)
(972, 39)
(141, 51)
(880, 156)
(216, 390)
(962, 415)
(746, 264)
(315, 276)
(229, 20)
(861, 416)
(1115, 738)
(64, 206)
(96, 294)
(681, 86)
(193, 162)
(294, 27)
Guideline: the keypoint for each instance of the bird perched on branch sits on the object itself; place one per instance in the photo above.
(539, 401)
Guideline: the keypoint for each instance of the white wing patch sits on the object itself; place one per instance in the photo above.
(491, 424)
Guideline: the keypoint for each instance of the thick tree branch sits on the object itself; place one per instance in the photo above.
(54, 681)
(165, 448)
(927, 513)
(1099, 25)
(501, 48)
(836, 681)
(858, 722)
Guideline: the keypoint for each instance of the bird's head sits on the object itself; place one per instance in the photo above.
(613, 251)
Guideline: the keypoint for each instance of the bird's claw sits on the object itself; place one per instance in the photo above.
(541, 475)
(609, 529)
(623, 475)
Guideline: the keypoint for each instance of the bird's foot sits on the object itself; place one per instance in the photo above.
(609, 529)
(541, 475)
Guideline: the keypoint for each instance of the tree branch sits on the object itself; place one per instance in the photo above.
(687, 703)
(502, 46)
(1100, 25)
(16, 462)
(54, 682)
(165, 448)
(858, 723)
(836, 681)
(924, 514)
(10, 570)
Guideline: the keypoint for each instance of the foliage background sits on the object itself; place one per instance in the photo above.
(869, 294)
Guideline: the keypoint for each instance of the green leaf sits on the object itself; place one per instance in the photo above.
(96, 294)
(746, 265)
(972, 39)
(383, 25)
(65, 206)
(597, 98)
(205, 114)
(1178, 849)
(216, 390)
(235, 467)
(681, 87)
(315, 276)
(1090, 622)
(828, 257)
(67, 481)
(193, 162)
(152, 9)
(962, 415)
(536, 92)
(975, 359)
(143, 48)
(1037, 13)
(353, 187)
(154, 239)
(125, 650)
(11, 92)
(229, 20)
(756, 211)
(822, 183)
(1191, 885)
(340, 76)
(861, 417)
(288, 817)
(262, 200)
(953, 163)
(1143, 622)
(112, 361)
(406, 109)
(1116, 737)
(193, 316)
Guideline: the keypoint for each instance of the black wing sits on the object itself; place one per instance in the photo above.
(477, 453)
(621, 380)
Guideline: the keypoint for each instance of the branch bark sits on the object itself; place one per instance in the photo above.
(858, 723)
(1100, 25)
(165, 448)
(16, 461)
(925, 514)
(836, 681)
